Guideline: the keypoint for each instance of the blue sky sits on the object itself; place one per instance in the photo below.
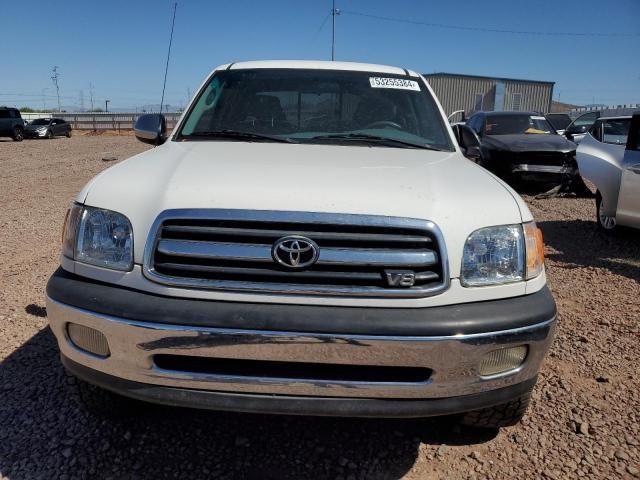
(120, 46)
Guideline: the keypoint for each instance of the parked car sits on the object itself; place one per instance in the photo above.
(48, 128)
(11, 124)
(520, 146)
(559, 121)
(577, 129)
(609, 156)
(308, 240)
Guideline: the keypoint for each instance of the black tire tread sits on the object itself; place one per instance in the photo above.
(503, 415)
(18, 134)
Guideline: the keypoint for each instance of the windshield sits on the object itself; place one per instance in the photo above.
(317, 106)
(41, 121)
(559, 122)
(516, 124)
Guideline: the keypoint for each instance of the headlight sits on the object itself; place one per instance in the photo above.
(99, 237)
(502, 254)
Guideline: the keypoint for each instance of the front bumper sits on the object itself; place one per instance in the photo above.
(451, 357)
(34, 134)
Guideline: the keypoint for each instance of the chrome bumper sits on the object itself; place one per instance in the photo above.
(453, 360)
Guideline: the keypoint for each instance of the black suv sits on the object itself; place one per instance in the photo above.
(11, 123)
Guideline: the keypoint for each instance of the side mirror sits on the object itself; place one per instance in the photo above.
(568, 136)
(151, 128)
(474, 153)
(469, 142)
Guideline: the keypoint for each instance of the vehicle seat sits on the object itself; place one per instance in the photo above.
(374, 110)
(266, 111)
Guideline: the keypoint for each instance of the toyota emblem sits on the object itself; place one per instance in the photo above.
(295, 252)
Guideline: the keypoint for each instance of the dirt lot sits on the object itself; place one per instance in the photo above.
(584, 420)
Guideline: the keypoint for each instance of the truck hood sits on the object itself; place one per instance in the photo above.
(443, 187)
(528, 142)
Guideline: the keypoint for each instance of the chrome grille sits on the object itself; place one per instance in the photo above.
(232, 250)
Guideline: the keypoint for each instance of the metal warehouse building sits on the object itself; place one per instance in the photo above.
(472, 93)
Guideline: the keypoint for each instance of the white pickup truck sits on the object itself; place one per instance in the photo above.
(309, 239)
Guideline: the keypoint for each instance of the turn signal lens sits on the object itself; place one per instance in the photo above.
(503, 360)
(535, 250)
(70, 230)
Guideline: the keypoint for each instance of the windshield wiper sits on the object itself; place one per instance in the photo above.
(375, 139)
(235, 134)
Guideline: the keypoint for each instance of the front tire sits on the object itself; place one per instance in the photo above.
(503, 415)
(68, 134)
(606, 223)
(49, 135)
(18, 134)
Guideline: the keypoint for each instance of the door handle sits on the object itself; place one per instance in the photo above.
(635, 168)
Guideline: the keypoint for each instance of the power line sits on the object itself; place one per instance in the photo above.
(38, 95)
(334, 13)
(166, 68)
(324, 21)
(488, 30)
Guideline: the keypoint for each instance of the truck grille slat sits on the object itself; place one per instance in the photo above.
(318, 276)
(356, 255)
(212, 233)
(328, 256)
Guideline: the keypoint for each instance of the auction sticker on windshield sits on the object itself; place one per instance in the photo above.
(399, 83)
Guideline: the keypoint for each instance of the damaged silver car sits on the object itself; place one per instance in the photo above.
(609, 156)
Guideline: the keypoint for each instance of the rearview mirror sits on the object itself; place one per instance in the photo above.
(151, 128)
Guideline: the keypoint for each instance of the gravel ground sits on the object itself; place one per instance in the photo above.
(584, 420)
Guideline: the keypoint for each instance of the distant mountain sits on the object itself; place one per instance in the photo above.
(150, 108)
(559, 107)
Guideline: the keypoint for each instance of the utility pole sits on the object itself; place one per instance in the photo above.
(91, 94)
(106, 105)
(82, 100)
(334, 13)
(54, 79)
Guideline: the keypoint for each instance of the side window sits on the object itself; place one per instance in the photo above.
(4, 113)
(516, 102)
(479, 124)
(470, 121)
(477, 102)
(596, 131)
(12, 114)
(616, 131)
(583, 122)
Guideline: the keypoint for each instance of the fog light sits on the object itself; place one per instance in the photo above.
(88, 339)
(503, 360)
